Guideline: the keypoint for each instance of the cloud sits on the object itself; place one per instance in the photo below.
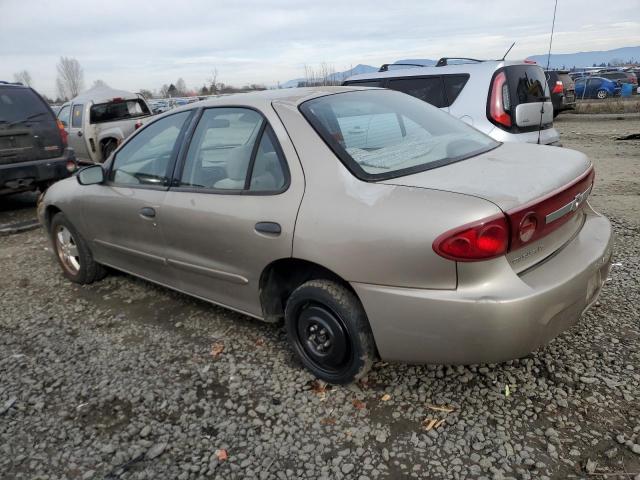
(145, 44)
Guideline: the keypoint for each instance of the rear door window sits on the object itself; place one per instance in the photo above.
(118, 110)
(430, 89)
(76, 117)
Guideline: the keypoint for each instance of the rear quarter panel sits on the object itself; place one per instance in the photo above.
(372, 232)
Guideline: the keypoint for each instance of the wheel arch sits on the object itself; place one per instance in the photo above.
(281, 277)
(50, 211)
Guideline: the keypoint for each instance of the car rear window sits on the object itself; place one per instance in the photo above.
(19, 104)
(527, 84)
(118, 110)
(380, 134)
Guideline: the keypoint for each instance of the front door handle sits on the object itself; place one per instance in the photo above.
(270, 228)
(147, 212)
(79, 134)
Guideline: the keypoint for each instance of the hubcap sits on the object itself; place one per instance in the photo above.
(67, 250)
(602, 94)
(323, 338)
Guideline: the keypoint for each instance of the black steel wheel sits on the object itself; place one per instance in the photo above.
(328, 329)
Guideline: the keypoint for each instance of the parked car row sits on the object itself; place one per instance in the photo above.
(374, 224)
(618, 78)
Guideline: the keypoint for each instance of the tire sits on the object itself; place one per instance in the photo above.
(72, 252)
(556, 112)
(108, 149)
(602, 94)
(329, 331)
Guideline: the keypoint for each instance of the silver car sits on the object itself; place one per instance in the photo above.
(507, 100)
(374, 224)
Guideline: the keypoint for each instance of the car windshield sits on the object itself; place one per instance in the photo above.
(118, 110)
(381, 134)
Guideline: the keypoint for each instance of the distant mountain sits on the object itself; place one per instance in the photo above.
(337, 76)
(418, 61)
(587, 59)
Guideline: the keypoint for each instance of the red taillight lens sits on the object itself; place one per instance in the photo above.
(488, 238)
(499, 102)
(137, 125)
(63, 133)
(558, 87)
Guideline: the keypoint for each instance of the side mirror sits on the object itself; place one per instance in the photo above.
(91, 175)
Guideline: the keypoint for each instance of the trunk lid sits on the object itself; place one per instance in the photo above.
(521, 179)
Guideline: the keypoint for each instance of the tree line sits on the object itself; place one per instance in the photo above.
(70, 83)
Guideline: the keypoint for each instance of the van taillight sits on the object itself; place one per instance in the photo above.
(63, 133)
(499, 103)
(558, 87)
(482, 240)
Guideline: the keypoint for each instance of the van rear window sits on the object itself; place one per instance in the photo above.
(118, 110)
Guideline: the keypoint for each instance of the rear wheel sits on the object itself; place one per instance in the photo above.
(329, 331)
(602, 94)
(73, 253)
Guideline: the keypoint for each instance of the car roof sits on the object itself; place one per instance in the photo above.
(488, 66)
(103, 95)
(263, 98)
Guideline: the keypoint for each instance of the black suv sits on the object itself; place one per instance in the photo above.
(563, 90)
(33, 144)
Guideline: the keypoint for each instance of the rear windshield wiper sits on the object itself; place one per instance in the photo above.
(30, 117)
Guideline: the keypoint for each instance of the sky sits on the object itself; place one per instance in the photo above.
(136, 44)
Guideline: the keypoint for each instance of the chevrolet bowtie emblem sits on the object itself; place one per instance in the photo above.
(572, 206)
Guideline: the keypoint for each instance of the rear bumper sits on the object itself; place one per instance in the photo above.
(26, 175)
(494, 314)
(548, 136)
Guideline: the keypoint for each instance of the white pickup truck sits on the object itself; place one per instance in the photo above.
(99, 119)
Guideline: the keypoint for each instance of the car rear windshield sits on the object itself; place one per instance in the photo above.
(527, 84)
(380, 134)
(118, 110)
(20, 104)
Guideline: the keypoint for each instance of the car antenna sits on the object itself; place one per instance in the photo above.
(507, 52)
(553, 24)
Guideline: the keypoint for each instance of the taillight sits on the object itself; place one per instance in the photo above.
(71, 166)
(499, 103)
(137, 125)
(558, 87)
(63, 133)
(482, 240)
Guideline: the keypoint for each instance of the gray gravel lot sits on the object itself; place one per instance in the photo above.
(124, 379)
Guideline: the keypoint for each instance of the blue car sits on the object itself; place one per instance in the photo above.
(596, 87)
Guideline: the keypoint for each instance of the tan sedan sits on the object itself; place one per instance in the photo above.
(373, 223)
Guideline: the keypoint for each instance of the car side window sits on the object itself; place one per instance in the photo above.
(221, 149)
(145, 159)
(267, 172)
(76, 118)
(63, 115)
(431, 90)
(453, 85)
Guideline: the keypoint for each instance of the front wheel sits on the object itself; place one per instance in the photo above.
(329, 331)
(72, 252)
(602, 94)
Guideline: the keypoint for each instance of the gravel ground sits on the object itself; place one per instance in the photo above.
(123, 379)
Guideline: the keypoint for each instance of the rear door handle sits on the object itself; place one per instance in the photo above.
(270, 228)
(147, 212)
